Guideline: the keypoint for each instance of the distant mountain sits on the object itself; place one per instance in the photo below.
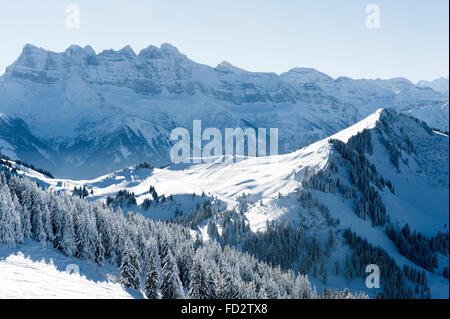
(84, 114)
(440, 85)
(382, 183)
(16, 141)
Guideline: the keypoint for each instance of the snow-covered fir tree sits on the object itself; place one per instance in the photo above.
(199, 286)
(10, 227)
(152, 282)
(63, 228)
(171, 287)
(225, 283)
(130, 272)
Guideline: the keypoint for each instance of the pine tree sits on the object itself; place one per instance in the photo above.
(129, 268)
(262, 293)
(211, 285)
(271, 289)
(9, 219)
(3, 180)
(17, 222)
(40, 217)
(302, 287)
(152, 281)
(248, 290)
(64, 230)
(87, 236)
(198, 285)
(225, 286)
(171, 287)
(99, 251)
(24, 218)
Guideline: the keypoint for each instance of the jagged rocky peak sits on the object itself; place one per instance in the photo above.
(170, 49)
(127, 51)
(78, 55)
(165, 51)
(150, 52)
(30, 49)
(36, 65)
(34, 58)
(31, 56)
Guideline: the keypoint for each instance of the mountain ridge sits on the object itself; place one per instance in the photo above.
(384, 172)
(77, 101)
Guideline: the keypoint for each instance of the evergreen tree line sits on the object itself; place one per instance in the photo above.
(323, 181)
(143, 165)
(126, 200)
(306, 201)
(199, 214)
(393, 151)
(362, 175)
(81, 192)
(417, 247)
(4, 161)
(162, 259)
(123, 198)
(394, 141)
(393, 279)
(281, 244)
(412, 245)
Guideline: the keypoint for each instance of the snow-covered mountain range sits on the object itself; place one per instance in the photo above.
(81, 114)
(387, 171)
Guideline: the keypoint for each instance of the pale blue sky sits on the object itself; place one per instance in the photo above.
(269, 35)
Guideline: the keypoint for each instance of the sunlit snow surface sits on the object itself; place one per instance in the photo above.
(36, 271)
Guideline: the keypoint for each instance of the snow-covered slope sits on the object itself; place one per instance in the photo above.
(398, 148)
(265, 178)
(96, 113)
(36, 271)
(435, 116)
(224, 178)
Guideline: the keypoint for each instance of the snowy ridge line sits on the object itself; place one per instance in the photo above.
(89, 103)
